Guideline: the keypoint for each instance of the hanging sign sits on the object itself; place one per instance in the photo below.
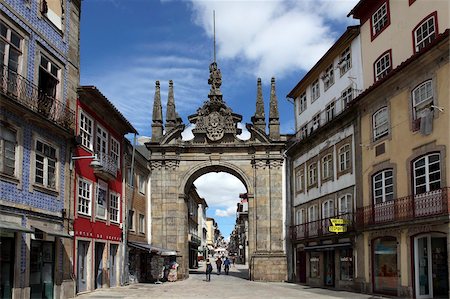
(338, 225)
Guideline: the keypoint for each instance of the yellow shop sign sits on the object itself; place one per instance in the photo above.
(338, 225)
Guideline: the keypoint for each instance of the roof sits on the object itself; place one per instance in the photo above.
(348, 35)
(92, 93)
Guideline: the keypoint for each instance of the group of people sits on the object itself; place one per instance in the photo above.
(219, 261)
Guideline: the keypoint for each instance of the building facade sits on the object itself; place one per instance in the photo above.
(194, 239)
(39, 69)
(321, 161)
(98, 204)
(202, 229)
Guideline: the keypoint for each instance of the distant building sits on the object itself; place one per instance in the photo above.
(202, 228)
(193, 234)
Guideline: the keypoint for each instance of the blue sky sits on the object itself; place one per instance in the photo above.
(126, 45)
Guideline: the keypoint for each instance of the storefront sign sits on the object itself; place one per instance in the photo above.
(338, 225)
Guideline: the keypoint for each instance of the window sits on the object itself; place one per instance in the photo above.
(84, 196)
(313, 214)
(315, 92)
(115, 151)
(300, 216)
(425, 32)
(114, 207)
(345, 204)
(141, 224)
(10, 55)
(302, 106)
(427, 173)
(53, 10)
(344, 157)
(312, 174)
(330, 111)
(345, 61)
(346, 263)
(328, 209)
(383, 65)
(315, 122)
(131, 220)
(314, 265)
(383, 186)
(299, 180)
(327, 166)
(328, 77)
(141, 184)
(346, 97)
(86, 130)
(102, 191)
(49, 79)
(380, 123)
(304, 131)
(422, 98)
(45, 167)
(380, 20)
(8, 140)
(102, 141)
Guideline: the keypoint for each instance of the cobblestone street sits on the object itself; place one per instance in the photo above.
(221, 286)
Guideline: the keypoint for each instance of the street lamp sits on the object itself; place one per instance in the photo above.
(95, 163)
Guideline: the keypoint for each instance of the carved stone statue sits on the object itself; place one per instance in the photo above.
(215, 79)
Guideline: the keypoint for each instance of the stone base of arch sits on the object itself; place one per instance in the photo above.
(268, 267)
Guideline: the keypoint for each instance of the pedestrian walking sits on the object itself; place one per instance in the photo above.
(209, 269)
(226, 264)
(219, 265)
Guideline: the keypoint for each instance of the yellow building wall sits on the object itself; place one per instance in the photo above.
(402, 140)
(398, 35)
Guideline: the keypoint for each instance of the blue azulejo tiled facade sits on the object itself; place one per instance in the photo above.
(36, 133)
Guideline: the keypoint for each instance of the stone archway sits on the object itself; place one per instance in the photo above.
(257, 162)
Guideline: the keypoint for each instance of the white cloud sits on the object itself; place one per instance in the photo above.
(220, 189)
(273, 38)
(230, 211)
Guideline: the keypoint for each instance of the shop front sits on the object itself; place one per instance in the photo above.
(384, 269)
(7, 245)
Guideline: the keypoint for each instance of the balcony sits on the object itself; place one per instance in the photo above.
(404, 209)
(193, 238)
(318, 228)
(28, 95)
(107, 169)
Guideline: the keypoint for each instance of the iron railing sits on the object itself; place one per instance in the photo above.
(318, 228)
(195, 239)
(109, 164)
(408, 208)
(28, 94)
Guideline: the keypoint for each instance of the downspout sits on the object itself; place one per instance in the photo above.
(288, 243)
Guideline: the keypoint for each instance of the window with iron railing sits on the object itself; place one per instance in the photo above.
(345, 62)
(328, 77)
(383, 186)
(8, 143)
(10, 56)
(427, 173)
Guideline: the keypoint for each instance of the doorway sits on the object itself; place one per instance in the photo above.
(42, 262)
(99, 248)
(301, 266)
(7, 263)
(83, 247)
(113, 265)
(329, 268)
(430, 263)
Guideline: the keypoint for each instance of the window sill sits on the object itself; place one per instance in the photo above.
(85, 216)
(100, 219)
(46, 190)
(9, 178)
(115, 223)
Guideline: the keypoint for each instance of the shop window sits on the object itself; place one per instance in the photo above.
(427, 173)
(425, 32)
(114, 208)
(314, 264)
(8, 143)
(383, 65)
(385, 277)
(45, 164)
(84, 196)
(86, 131)
(346, 264)
(380, 123)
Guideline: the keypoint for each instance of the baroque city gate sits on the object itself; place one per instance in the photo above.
(257, 162)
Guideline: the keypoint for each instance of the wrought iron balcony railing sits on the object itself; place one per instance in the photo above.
(28, 95)
(319, 228)
(108, 164)
(404, 209)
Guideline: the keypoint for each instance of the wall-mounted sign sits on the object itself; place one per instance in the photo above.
(338, 225)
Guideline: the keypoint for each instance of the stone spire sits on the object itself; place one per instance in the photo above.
(157, 125)
(171, 114)
(259, 119)
(274, 116)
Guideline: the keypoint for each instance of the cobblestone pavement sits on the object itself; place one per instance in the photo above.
(234, 285)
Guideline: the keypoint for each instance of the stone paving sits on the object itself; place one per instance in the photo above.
(234, 285)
